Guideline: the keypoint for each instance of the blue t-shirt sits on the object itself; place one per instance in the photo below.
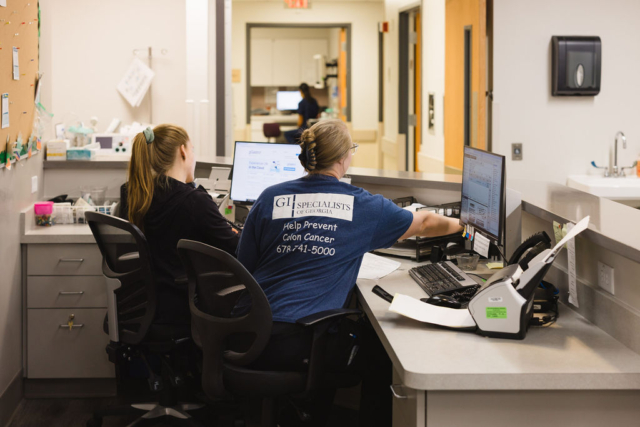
(304, 240)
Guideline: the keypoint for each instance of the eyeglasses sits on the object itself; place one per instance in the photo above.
(354, 147)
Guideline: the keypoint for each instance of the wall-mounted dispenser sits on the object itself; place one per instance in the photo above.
(576, 62)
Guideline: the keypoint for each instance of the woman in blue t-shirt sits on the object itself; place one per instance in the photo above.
(304, 241)
(307, 109)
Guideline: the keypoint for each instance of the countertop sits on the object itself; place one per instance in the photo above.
(572, 354)
(122, 162)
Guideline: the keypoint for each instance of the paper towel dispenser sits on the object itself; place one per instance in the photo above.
(576, 64)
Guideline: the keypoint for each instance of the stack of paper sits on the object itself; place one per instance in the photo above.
(376, 267)
(428, 313)
(135, 83)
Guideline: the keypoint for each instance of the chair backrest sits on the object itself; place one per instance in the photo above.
(216, 281)
(271, 130)
(118, 241)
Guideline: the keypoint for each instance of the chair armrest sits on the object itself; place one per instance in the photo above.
(314, 319)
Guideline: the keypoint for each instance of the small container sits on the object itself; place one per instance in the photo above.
(93, 195)
(467, 262)
(43, 213)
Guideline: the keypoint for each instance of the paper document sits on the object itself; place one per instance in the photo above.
(16, 66)
(582, 225)
(428, 313)
(5, 110)
(481, 245)
(3, 3)
(571, 266)
(136, 82)
(376, 267)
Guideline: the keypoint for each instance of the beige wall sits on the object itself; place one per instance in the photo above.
(15, 195)
(91, 49)
(562, 135)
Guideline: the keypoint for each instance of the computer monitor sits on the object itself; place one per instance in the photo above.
(288, 100)
(258, 165)
(483, 193)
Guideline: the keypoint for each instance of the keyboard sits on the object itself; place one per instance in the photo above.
(442, 278)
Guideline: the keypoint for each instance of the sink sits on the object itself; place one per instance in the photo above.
(620, 189)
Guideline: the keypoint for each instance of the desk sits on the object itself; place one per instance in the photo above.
(572, 372)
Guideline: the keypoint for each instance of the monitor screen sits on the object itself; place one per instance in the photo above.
(288, 100)
(258, 165)
(483, 192)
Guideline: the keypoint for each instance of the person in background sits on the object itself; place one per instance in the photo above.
(165, 204)
(304, 241)
(307, 109)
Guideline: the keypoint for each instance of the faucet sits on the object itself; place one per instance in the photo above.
(617, 172)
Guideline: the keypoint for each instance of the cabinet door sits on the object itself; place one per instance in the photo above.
(286, 63)
(59, 352)
(309, 48)
(409, 407)
(261, 62)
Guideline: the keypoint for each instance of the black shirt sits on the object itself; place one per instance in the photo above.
(308, 109)
(180, 211)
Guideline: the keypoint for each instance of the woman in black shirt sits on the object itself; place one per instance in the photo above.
(307, 109)
(164, 203)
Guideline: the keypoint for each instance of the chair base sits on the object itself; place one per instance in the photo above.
(172, 415)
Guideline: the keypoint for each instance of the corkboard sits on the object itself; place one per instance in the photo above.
(19, 27)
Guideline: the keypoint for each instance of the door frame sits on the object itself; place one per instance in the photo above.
(252, 25)
(407, 79)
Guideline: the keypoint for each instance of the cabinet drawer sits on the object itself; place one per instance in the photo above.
(64, 260)
(55, 352)
(66, 291)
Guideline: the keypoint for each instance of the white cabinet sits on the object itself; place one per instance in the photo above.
(261, 62)
(284, 62)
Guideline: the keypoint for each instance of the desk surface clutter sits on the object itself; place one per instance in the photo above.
(572, 354)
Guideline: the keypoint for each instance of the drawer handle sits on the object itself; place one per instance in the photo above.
(71, 259)
(395, 394)
(66, 326)
(71, 293)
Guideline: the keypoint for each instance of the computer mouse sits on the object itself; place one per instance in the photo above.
(442, 301)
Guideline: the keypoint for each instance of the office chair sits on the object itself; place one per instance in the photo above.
(131, 292)
(271, 130)
(216, 281)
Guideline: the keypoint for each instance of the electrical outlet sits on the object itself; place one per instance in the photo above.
(605, 278)
(34, 184)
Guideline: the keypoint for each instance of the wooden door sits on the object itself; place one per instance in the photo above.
(465, 37)
(342, 74)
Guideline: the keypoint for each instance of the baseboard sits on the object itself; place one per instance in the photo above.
(69, 388)
(10, 399)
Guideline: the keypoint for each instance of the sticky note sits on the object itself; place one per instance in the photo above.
(228, 211)
(496, 312)
(495, 265)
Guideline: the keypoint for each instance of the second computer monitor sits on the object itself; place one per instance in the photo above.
(258, 165)
(288, 100)
(483, 193)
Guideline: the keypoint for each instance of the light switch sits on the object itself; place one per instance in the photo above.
(34, 184)
(516, 151)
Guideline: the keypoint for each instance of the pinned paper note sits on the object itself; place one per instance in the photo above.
(559, 231)
(16, 65)
(573, 232)
(571, 267)
(5, 110)
(135, 83)
(376, 267)
(481, 245)
(3, 3)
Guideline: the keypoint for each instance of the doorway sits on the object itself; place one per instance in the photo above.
(410, 87)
